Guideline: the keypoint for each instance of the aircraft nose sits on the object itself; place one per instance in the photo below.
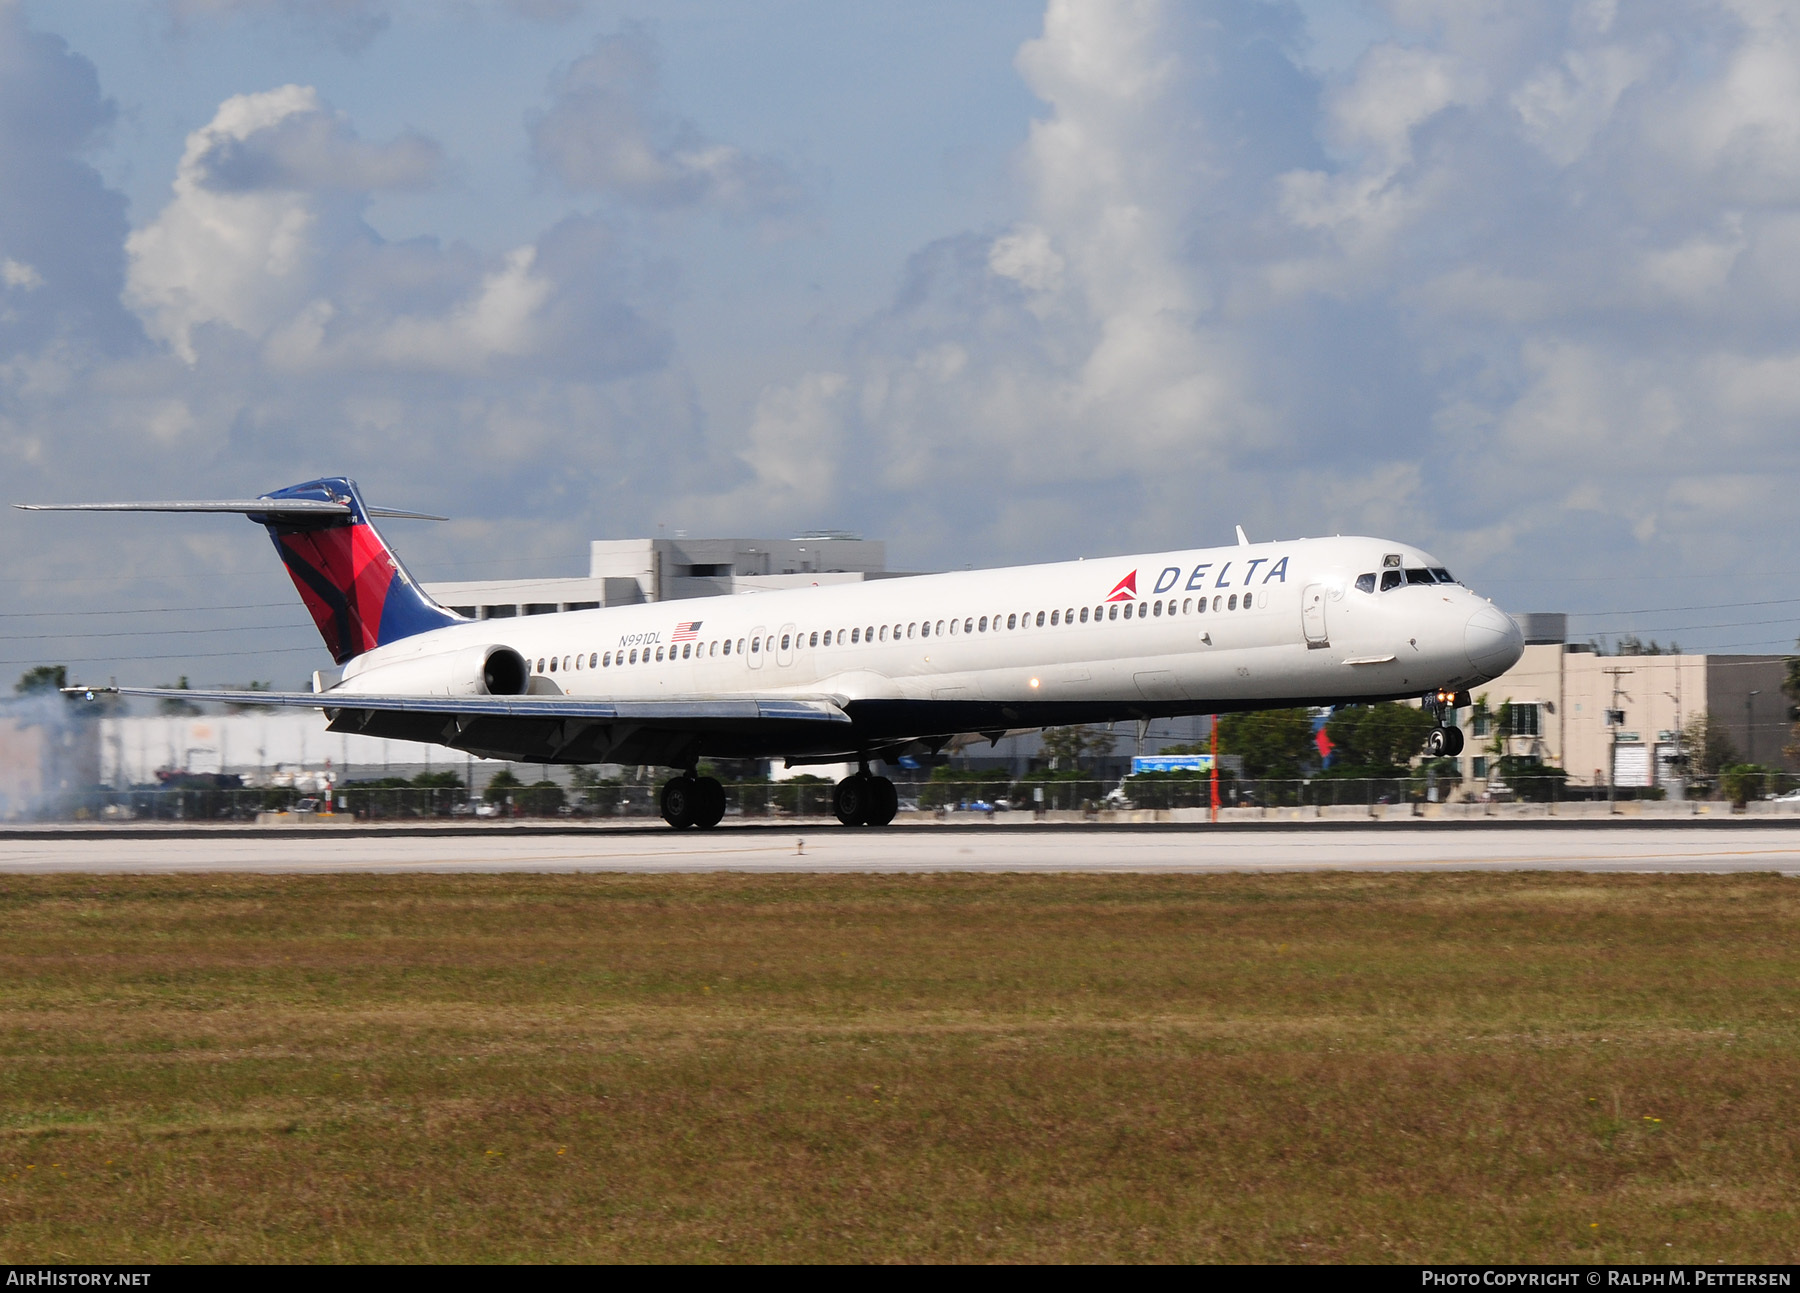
(1493, 641)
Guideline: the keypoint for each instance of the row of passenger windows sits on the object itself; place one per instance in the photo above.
(902, 632)
(1394, 578)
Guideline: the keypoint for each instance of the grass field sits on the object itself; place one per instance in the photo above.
(1543, 1067)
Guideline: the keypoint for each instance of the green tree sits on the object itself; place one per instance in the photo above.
(1372, 740)
(45, 677)
(174, 705)
(1708, 746)
(1743, 782)
(1272, 742)
(1066, 747)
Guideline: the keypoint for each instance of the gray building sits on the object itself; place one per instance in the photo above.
(627, 572)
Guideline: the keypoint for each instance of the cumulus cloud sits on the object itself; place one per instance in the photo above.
(607, 131)
(1522, 277)
(60, 227)
(265, 235)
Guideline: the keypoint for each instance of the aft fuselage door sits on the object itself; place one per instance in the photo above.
(784, 646)
(1312, 615)
(757, 646)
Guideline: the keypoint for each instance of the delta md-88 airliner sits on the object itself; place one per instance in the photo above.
(871, 671)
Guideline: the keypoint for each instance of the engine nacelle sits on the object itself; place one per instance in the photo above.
(472, 671)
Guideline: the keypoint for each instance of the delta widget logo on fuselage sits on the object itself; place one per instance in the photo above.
(1126, 589)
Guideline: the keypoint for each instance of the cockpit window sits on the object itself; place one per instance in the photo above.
(1419, 577)
(1391, 579)
(1365, 583)
(1443, 576)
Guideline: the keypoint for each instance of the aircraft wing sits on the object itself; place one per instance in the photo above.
(560, 729)
(679, 711)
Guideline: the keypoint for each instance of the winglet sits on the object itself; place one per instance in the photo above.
(1243, 539)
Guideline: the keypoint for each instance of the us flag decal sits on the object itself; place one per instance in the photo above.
(686, 631)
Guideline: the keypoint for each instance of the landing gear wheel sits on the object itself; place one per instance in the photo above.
(681, 801)
(1434, 744)
(852, 799)
(1453, 741)
(712, 804)
(886, 802)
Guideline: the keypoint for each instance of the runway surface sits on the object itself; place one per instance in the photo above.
(1369, 848)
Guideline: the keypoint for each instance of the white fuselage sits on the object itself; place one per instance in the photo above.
(1202, 630)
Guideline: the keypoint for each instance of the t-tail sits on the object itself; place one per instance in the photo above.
(359, 593)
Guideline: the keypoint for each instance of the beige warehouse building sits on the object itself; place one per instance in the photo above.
(1561, 694)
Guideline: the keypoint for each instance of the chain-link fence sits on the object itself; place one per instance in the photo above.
(760, 800)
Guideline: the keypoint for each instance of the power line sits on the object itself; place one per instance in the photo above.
(145, 633)
(180, 655)
(149, 610)
(1661, 610)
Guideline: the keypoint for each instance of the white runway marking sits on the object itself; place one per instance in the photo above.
(837, 849)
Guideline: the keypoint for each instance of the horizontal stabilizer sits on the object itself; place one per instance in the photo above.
(246, 506)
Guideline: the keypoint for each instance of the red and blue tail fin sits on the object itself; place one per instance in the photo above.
(359, 593)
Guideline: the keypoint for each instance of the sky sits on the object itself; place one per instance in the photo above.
(1517, 282)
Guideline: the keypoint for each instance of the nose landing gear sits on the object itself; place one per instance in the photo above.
(1446, 739)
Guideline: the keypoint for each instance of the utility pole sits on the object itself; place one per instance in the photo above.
(1749, 728)
(1215, 769)
(1615, 718)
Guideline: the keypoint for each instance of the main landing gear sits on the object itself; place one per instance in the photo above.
(688, 800)
(1446, 739)
(862, 799)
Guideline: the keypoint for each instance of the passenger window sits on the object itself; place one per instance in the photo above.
(1200, 607)
(579, 664)
(755, 646)
(1112, 612)
(952, 628)
(1231, 604)
(1156, 608)
(633, 655)
(856, 635)
(1217, 602)
(1055, 618)
(968, 626)
(1247, 601)
(1419, 577)
(884, 633)
(1084, 615)
(1012, 621)
(1365, 583)
(869, 634)
(593, 659)
(784, 641)
(687, 652)
(896, 632)
(727, 646)
(1129, 607)
(1069, 616)
(925, 629)
(1391, 579)
(940, 628)
(1040, 619)
(910, 629)
(606, 660)
(813, 640)
(983, 626)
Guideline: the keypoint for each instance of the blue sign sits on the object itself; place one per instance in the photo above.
(1171, 763)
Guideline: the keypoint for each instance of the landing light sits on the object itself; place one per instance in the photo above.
(1034, 683)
